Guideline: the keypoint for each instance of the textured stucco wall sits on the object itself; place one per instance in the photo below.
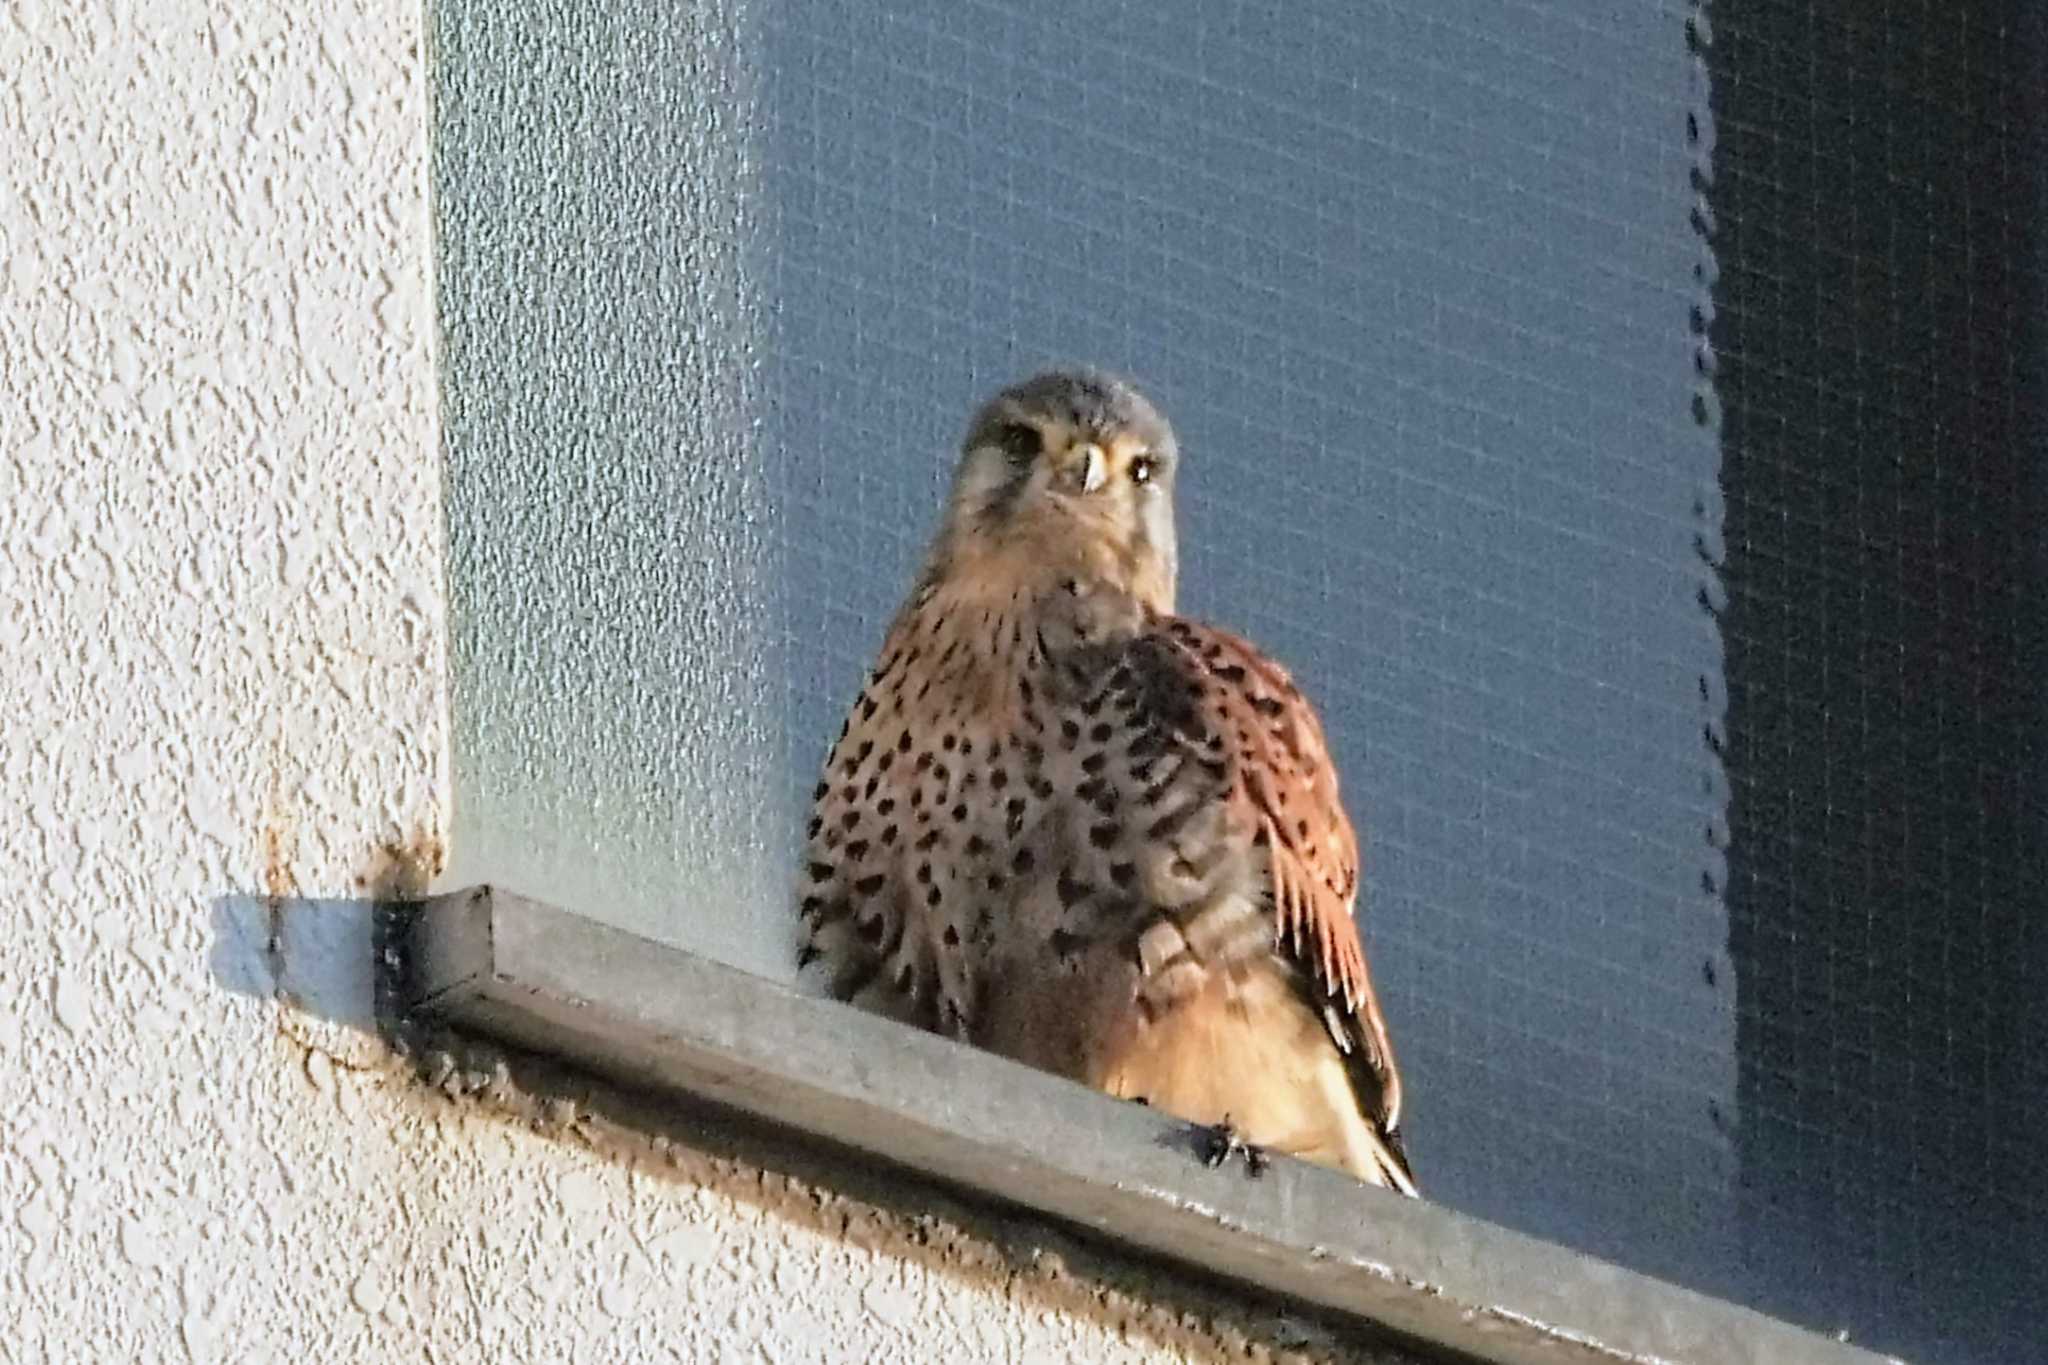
(221, 646)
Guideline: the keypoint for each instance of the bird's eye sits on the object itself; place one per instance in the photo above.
(1143, 468)
(1019, 441)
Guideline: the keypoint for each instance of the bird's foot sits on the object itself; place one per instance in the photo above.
(1221, 1141)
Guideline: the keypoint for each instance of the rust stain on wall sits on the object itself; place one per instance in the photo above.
(403, 868)
(279, 844)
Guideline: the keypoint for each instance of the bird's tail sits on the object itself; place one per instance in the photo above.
(1385, 1162)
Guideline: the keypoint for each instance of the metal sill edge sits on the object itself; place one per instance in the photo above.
(488, 962)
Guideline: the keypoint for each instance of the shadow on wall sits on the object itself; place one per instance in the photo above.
(319, 957)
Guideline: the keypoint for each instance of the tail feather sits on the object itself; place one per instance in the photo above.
(1254, 1055)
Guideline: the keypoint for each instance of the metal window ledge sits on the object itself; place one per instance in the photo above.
(488, 962)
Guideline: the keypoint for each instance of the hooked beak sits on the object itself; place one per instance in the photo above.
(1096, 468)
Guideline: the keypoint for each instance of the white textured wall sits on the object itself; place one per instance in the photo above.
(221, 637)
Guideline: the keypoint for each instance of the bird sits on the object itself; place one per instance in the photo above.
(1067, 825)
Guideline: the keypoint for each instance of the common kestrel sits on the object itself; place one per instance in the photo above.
(1064, 824)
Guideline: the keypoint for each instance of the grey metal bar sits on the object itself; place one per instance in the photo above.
(494, 963)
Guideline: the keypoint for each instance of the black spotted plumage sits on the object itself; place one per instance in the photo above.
(1125, 858)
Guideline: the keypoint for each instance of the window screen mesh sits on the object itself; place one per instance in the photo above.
(1414, 289)
(1877, 335)
(1627, 427)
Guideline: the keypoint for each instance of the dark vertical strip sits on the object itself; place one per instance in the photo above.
(1877, 339)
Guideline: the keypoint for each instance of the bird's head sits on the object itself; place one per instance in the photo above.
(1070, 472)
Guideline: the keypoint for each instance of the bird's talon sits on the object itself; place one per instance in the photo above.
(1221, 1141)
